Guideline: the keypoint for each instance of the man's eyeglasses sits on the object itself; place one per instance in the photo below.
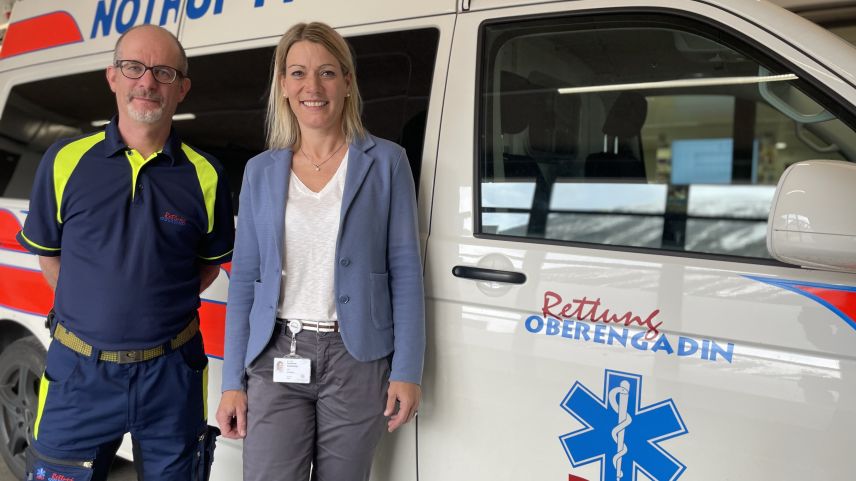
(134, 70)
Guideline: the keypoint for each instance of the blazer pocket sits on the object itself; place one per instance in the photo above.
(381, 307)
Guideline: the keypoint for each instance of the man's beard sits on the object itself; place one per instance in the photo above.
(145, 116)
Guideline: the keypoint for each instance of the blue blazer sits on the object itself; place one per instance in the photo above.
(378, 272)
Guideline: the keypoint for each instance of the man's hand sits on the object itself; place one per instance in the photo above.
(232, 414)
(408, 395)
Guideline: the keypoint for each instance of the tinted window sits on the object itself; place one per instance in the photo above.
(227, 102)
(640, 132)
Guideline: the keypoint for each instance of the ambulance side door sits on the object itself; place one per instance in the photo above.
(600, 299)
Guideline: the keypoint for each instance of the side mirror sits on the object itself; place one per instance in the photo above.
(812, 221)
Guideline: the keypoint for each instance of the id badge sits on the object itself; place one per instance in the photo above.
(291, 369)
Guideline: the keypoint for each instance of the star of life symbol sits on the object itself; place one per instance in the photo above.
(40, 473)
(619, 433)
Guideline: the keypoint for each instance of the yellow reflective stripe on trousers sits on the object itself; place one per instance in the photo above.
(207, 176)
(205, 393)
(66, 161)
(44, 385)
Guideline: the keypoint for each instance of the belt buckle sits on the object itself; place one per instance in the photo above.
(128, 357)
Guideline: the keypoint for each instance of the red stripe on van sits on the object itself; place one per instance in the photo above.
(839, 299)
(37, 33)
(212, 322)
(25, 290)
(9, 227)
(842, 300)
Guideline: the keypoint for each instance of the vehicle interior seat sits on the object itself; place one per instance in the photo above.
(622, 127)
(541, 127)
(548, 120)
(554, 123)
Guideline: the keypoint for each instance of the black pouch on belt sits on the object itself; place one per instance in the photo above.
(50, 321)
(205, 453)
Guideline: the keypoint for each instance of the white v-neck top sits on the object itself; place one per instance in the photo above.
(311, 230)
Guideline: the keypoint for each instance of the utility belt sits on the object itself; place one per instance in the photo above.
(78, 345)
(320, 326)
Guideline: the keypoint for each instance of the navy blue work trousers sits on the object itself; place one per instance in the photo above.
(87, 405)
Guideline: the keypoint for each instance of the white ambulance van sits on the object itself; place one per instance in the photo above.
(595, 179)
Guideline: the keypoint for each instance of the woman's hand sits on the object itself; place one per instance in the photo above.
(408, 395)
(232, 414)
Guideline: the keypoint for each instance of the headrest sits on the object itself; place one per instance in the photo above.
(554, 126)
(552, 119)
(626, 116)
(515, 102)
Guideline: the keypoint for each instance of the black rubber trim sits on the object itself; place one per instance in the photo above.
(491, 275)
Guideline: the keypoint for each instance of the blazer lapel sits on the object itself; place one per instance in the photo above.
(277, 176)
(359, 164)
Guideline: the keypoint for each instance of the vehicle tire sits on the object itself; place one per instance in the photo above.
(21, 367)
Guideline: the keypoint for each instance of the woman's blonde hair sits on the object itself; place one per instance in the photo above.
(282, 128)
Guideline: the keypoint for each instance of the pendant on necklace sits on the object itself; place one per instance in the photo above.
(318, 166)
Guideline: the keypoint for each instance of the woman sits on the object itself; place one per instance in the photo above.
(326, 279)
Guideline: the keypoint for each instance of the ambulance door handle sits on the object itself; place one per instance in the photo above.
(490, 275)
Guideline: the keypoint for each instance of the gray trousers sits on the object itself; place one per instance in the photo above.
(332, 424)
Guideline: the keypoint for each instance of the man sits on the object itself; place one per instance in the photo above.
(130, 225)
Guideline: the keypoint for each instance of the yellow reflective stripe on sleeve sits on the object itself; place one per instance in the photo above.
(216, 257)
(205, 393)
(37, 245)
(65, 162)
(137, 162)
(207, 176)
(44, 385)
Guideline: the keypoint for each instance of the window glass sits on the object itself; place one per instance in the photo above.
(640, 132)
(394, 69)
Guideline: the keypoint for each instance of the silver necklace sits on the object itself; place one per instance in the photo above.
(318, 166)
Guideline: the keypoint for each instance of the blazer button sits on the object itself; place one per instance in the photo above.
(345, 262)
(344, 299)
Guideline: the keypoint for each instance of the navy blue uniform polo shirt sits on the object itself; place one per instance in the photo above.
(132, 233)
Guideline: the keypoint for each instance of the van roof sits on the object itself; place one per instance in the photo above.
(42, 31)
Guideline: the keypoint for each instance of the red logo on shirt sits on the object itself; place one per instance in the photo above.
(173, 218)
